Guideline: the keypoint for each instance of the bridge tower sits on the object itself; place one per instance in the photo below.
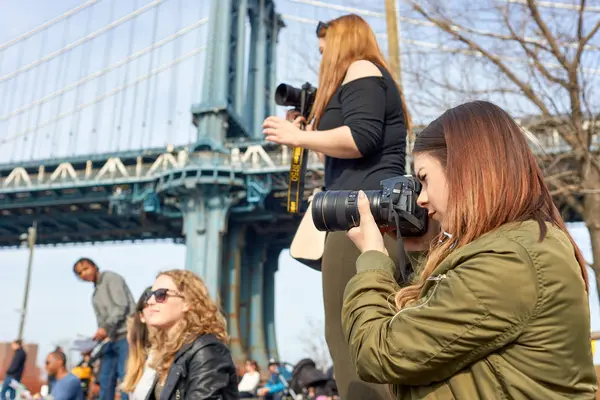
(224, 243)
(223, 195)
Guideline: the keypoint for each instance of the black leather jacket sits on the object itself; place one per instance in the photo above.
(202, 370)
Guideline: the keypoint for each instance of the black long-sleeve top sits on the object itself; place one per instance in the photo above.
(17, 365)
(372, 109)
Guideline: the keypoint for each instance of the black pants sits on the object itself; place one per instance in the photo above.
(338, 267)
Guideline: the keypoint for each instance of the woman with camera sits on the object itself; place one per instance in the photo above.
(499, 307)
(360, 125)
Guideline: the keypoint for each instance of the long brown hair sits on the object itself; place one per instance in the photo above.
(202, 318)
(348, 38)
(138, 338)
(493, 179)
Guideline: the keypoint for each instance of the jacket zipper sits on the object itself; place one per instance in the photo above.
(437, 279)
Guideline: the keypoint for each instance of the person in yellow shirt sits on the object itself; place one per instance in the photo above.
(84, 372)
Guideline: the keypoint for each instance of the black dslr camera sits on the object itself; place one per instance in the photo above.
(394, 205)
(301, 99)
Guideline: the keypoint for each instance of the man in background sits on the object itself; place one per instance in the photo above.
(14, 371)
(51, 378)
(66, 385)
(113, 304)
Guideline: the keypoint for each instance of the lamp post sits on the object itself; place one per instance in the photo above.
(29, 238)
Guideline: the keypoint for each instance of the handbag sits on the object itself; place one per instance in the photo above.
(308, 244)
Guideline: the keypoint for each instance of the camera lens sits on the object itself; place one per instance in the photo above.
(337, 210)
(286, 95)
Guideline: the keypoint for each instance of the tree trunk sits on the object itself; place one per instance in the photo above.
(591, 204)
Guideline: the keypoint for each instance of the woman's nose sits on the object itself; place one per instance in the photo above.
(422, 199)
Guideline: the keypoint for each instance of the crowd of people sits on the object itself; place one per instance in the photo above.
(170, 344)
(496, 300)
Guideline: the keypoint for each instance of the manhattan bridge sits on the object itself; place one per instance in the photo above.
(140, 120)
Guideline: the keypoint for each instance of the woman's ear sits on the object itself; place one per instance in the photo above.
(186, 307)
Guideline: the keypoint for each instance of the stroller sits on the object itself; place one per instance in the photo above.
(307, 382)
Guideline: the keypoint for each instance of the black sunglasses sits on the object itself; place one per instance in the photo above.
(161, 295)
(320, 26)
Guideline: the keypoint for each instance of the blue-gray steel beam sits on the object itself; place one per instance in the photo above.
(211, 126)
(251, 79)
(271, 266)
(255, 95)
(255, 253)
(204, 221)
(245, 282)
(233, 256)
(240, 56)
(272, 35)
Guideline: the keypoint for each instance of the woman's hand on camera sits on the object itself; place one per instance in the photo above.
(367, 236)
(292, 114)
(278, 130)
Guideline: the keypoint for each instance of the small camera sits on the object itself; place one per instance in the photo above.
(394, 205)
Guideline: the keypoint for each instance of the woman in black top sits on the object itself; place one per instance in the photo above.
(360, 129)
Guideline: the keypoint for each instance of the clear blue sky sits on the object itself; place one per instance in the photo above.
(60, 306)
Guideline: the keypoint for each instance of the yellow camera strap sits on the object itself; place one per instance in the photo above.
(297, 174)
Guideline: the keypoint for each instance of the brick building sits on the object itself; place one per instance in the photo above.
(32, 376)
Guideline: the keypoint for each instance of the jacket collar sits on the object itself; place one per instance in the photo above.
(179, 369)
(99, 281)
(184, 349)
(188, 349)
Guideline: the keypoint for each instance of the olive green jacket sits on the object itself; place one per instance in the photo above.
(505, 317)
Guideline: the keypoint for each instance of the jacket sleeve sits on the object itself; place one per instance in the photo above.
(210, 373)
(465, 315)
(274, 388)
(117, 291)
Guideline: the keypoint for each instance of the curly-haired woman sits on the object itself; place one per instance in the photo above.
(189, 351)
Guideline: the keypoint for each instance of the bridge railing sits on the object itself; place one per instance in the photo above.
(254, 159)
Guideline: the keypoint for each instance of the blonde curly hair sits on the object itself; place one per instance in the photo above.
(202, 318)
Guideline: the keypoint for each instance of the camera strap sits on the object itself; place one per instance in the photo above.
(297, 175)
(405, 267)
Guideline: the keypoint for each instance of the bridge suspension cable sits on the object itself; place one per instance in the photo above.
(105, 95)
(446, 49)
(84, 39)
(420, 22)
(564, 6)
(116, 133)
(48, 24)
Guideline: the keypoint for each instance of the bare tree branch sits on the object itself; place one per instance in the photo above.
(556, 52)
(561, 100)
(533, 56)
(527, 90)
(315, 346)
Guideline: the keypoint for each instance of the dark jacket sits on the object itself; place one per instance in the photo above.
(202, 370)
(504, 317)
(113, 303)
(17, 365)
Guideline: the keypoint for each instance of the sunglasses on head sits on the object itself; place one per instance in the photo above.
(320, 26)
(161, 295)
